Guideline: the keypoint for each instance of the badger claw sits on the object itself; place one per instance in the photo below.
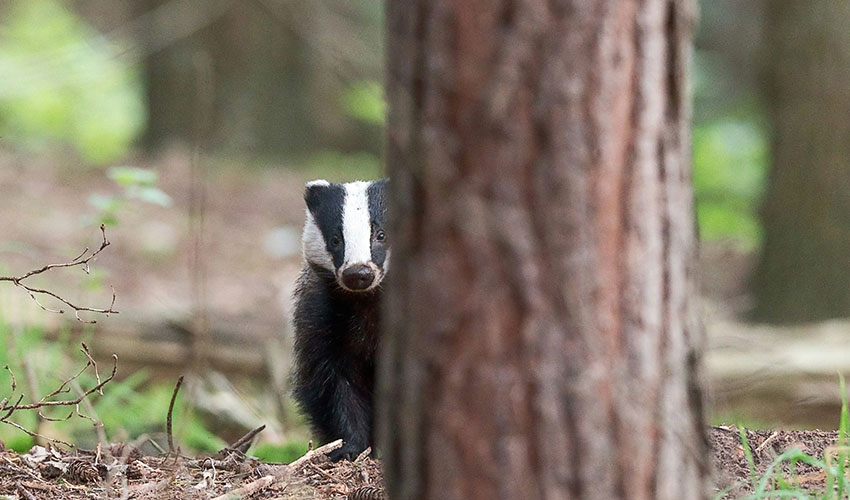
(346, 452)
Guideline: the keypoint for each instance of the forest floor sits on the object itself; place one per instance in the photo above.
(120, 471)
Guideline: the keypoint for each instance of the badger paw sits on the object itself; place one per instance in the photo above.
(346, 452)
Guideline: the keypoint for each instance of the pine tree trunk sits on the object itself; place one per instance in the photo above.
(541, 339)
(803, 271)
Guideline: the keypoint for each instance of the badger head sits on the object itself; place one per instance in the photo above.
(344, 235)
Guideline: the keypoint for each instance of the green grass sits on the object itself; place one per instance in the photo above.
(282, 453)
(132, 406)
(778, 482)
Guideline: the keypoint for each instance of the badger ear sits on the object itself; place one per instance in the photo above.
(313, 193)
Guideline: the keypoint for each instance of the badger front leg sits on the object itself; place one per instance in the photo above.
(337, 410)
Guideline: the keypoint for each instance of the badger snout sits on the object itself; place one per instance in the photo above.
(358, 277)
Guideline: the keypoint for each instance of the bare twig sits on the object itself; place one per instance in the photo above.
(14, 380)
(246, 440)
(156, 445)
(91, 415)
(8, 409)
(82, 261)
(362, 456)
(322, 472)
(767, 441)
(25, 493)
(170, 411)
(321, 450)
(248, 489)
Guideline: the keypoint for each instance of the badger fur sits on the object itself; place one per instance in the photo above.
(337, 310)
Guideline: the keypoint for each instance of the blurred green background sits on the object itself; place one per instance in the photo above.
(189, 126)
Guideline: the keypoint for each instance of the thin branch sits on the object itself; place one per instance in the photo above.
(93, 363)
(245, 440)
(79, 260)
(14, 380)
(25, 493)
(82, 261)
(249, 489)
(36, 435)
(86, 403)
(170, 411)
(8, 410)
(321, 450)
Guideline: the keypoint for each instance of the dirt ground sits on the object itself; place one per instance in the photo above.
(732, 470)
(120, 471)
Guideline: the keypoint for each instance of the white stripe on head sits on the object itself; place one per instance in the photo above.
(317, 182)
(356, 224)
(313, 247)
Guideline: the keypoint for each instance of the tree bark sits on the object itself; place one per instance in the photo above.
(540, 337)
(803, 270)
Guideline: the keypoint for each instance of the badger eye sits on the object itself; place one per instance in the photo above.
(335, 242)
(380, 235)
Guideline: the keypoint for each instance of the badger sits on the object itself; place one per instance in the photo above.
(337, 310)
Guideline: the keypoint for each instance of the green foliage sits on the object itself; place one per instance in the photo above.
(63, 83)
(730, 164)
(129, 407)
(364, 100)
(137, 183)
(284, 453)
(341, 167)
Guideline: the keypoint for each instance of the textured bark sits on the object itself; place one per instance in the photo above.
(803, 271)
(540, 339)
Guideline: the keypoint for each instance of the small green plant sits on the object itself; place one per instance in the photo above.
(365, 101)
(127, 409)
(138, 184)
(780, 479)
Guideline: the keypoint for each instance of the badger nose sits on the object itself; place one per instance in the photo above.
(358, 277)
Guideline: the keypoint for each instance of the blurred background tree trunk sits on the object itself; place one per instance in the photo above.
(541, 340)
(274, 72)
(250, 67)
(804, 273)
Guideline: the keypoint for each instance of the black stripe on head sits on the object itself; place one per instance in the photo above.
(377, 194)
(325, 202)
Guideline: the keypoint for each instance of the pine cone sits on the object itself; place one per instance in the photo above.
(82, 471)
(367, 493)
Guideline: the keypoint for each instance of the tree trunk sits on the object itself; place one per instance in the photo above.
(803, 271)
(541, 341)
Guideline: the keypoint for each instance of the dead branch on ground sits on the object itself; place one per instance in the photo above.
(8, 409)
(82, 261)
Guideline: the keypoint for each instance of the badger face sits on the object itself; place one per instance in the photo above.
(344, 233)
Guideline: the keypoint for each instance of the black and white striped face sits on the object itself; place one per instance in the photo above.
(345, 232)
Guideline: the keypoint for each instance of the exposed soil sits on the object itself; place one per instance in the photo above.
(730, 460)
(122, 472)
